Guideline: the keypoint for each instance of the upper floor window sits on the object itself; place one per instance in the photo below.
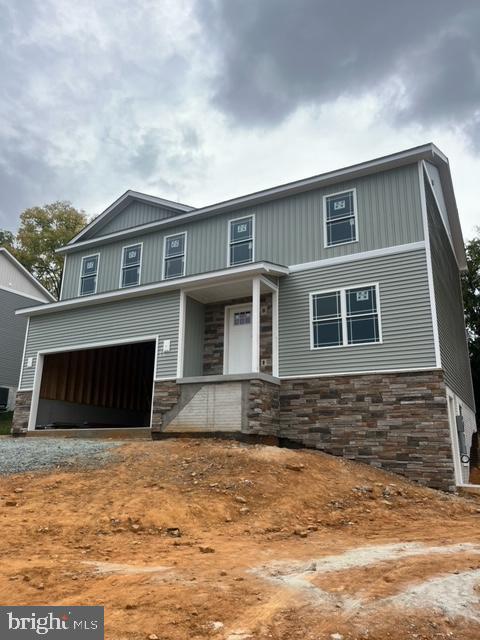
(240, 241)
(88, 275)
(340, 218)
(131, 265)
(345, 317)
(174, 256)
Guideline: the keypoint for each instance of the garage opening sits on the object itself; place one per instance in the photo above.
(104, 387)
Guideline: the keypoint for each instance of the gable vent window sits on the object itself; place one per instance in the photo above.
(131, 265)
(241, 241)
(174, 261)
(345, 317)
(340, 215)
(88, 275)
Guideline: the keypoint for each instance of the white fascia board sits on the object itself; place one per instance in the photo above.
(130, 195)
(27, 274)
(214, 277)
(427, 151)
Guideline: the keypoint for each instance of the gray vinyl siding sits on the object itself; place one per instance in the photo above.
(194, 337)
(288, 231)
(134, 215)
(12, 336)
(405, 316)
(121, 320)
(448, 298)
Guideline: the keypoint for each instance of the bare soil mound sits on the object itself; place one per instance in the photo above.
(190, 539)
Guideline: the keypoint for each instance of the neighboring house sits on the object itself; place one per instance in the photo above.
(18, 289)
(327, 311)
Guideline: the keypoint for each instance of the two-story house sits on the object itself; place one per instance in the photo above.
(18, 289)
(327, 312)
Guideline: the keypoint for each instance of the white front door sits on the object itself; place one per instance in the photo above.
(238, 339)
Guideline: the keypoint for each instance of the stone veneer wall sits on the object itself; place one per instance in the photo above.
(397, 421)
(215, 329)
(262, 404)
(166, 394)
(23, 401)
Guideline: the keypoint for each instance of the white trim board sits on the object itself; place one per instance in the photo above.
(354, 257)
(334, 374)
(431, 288)
(212, 277)
(26, 273)
(22, 294)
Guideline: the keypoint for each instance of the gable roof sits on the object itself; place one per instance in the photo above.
(428, 152)
(43, 293)
(122, 203)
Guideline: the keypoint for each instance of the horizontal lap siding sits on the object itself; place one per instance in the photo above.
(129, 319)
(288, 231)
(448, 297)
(405, 316)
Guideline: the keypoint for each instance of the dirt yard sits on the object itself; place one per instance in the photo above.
(185, 540)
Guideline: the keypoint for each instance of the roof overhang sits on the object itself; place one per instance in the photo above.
(18, 265)
(228, 276)
(385, 163)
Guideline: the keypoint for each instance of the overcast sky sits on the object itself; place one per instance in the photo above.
(199, 100)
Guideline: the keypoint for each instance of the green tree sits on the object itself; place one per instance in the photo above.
(7, 239)
(42, 230)
(471, 300)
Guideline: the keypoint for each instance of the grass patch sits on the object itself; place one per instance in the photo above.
(5, 422)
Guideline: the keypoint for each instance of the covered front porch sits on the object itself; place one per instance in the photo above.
(227, 374)
(229, 329)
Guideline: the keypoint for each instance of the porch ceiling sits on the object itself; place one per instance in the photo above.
(226, 291)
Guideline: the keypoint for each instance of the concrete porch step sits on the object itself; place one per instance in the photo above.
(117, 433)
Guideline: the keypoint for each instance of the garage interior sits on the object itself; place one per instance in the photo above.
(104, 387)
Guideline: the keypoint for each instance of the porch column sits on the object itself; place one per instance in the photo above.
(255, 325)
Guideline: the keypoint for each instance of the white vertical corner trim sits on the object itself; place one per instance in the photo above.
(255, 325)
(275, 366)
(32, 420)
(428, 252)
(155, 360)
(23, 354)
(181, 334)
(63, 277)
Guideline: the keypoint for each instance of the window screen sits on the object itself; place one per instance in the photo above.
(174, 263)
(241, 241)
(340, 218)
(131, 261)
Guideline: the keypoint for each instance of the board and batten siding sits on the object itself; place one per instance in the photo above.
(155, 315)
(450, 315)
(405, 316)
(288, 230)
(134, 215)
(12, 336)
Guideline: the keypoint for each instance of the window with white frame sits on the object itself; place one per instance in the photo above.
(88, 275)
(174, 256)
(340, 211)
(131, 265)
(345, 317)
(241, 241)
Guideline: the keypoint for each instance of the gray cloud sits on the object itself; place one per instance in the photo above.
(276, 55)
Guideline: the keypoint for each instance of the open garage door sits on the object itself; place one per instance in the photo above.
(104, 387)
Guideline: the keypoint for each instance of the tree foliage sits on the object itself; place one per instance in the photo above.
(471, 300)
(42, 230)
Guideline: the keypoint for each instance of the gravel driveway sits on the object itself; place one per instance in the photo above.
(36, 454)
